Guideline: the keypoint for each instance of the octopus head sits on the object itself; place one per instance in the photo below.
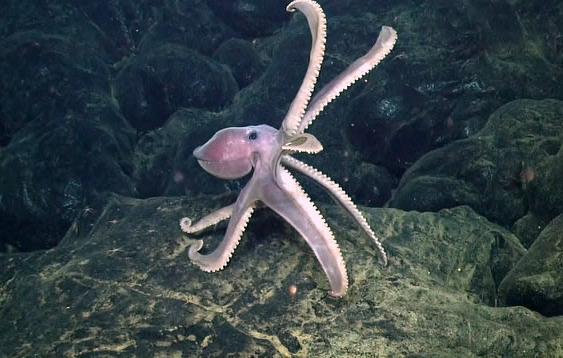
(232, 152)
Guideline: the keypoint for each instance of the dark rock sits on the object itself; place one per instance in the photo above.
(62, 18)
(267, 99)
(135, 27)
(43, 75)
(527, 228)
(242, 59)
(54, 167)
(125, 283)
(429, 193)
(252, 18)
(152, 85)
(370, 184)
(409, 105)
(536, 281)
(512, 166)
(121, 23)
(438, 85)
(447, 78)
(544, 178)
(372, 123)
(190, 24)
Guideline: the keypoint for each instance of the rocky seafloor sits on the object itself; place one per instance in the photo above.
(122, 285)
(453, 147)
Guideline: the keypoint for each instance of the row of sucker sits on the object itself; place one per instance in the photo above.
(207, 221)
(317, 25)
(227, 252)
(319, 222)
(339, 194)
(352, 74)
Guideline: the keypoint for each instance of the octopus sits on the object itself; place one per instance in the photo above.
(267, 152)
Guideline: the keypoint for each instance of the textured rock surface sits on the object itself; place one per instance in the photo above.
(121, 284)
(243, 60)
(252, 18)
(42, 75)
(511, 167)
(443, 80)
(53, 169)
(151, 86)
(537, 280)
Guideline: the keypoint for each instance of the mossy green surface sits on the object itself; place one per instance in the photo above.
(121, 284)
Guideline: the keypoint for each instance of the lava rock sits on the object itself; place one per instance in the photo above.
(124, 282)
(242, 59)
(536, 281)
(527, 228)
(42, 75)
(371, 185)
(251, 18)
(506, 170)
(52, 170)
(151, 86)
(191, 24)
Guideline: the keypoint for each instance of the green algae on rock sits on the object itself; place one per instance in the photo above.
(123, 285)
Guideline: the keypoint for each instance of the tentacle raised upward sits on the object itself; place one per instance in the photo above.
(356, 70)
(317, 24)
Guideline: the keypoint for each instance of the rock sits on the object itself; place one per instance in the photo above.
(527, 228)
(411, 107)
(188, 24)
(151, 86)
(43, 75)
(511, 167)
(536, 282)
(251, 18)
(543, 178)
(242, 59)
(64, 141)
(56, 167)
(371, 124)
(370, 184)
(130, 28)
(124, 282)
(444, 82)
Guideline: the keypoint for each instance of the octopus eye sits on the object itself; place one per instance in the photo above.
(253, 135)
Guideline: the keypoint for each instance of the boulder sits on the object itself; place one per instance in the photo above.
(243, 60)
(43, 75)
(55, 168)
(154, 84)
(536, 281)
(511, 167)
(251, 18)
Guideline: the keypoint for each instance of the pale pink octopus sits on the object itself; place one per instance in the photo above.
(233, 153)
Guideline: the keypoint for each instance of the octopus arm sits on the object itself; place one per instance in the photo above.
(339, 195)
(208, 220)
(317, 25)
(241, 211)
(294, 206)
(359, 68)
